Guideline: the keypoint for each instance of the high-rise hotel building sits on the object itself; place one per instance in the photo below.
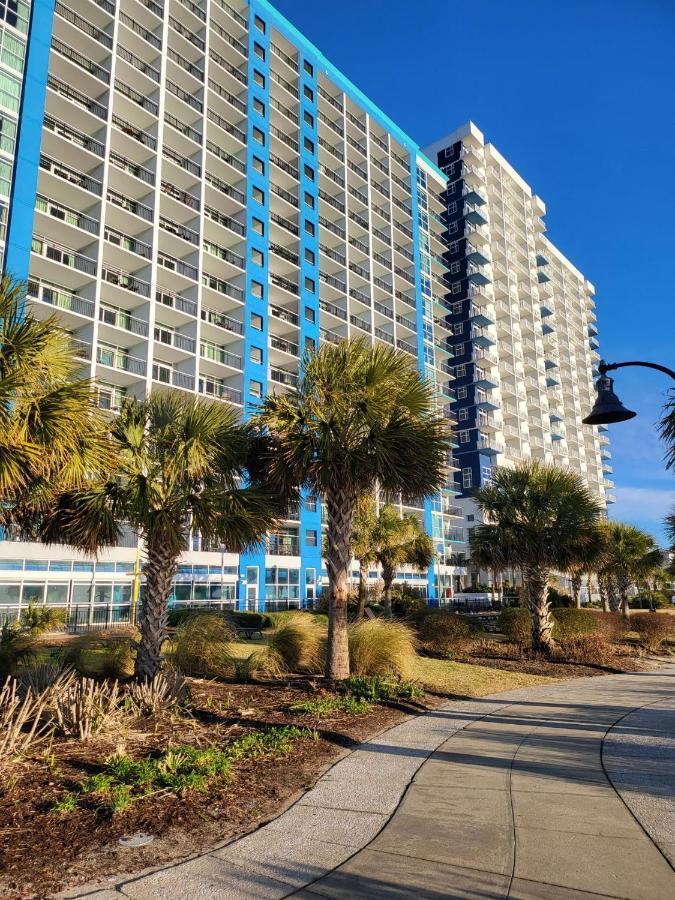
(201, 197)
(524, 335)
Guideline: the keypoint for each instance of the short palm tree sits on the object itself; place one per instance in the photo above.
(538, 518)
(182, 464)
(400, 541)
(631, 556)
(52, 434)
(364, 548)
(361, 417)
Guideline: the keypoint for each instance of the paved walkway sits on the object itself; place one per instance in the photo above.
(565, 791)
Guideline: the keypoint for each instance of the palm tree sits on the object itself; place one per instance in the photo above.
(590, 558)
(364, 547)
(538, 518)
(182, 464)
(361, 417)
(52, 434)
(667, 430)
(632, 556)
(400, 540)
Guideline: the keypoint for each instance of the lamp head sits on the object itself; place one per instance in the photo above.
(608, 409)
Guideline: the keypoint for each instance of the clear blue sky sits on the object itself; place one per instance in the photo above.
(578, 96)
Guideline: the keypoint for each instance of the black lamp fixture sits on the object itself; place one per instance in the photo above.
(608, 408)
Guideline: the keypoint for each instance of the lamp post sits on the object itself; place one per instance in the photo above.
(608, 409)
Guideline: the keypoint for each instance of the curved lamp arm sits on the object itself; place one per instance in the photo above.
(604, 367)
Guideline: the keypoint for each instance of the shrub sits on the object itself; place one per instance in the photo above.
(252, 620)
(43, 618)
(559, 599)
(166, 691)
(589, 648)
(570, 622)
(201, 646)
(515, 623)
(446, 633)
(379, 647)
(39, 676)
(612, 626)
(653, 628)
(16, 647)
(649, 600)
(298, 644)
(24, 721)
(107, 653)
(406, 603)
(376, 688)
(83, 707)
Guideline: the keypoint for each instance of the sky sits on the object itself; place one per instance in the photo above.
(578, 96)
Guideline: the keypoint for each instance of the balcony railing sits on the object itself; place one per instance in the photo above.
(138, 63)
(82, 61)
(174, 301)
(285, 346)
(120, 318)
(208, 350)
(127, 281)
(59, 297)
(64, 255)
(136, 97)
(134, 26)
(222, 321)
(285, 315)
(127, 165)
(136, 133)
(283, 545)
(73, 135)
(214, 387)
(131, 244)
(168, 375)
(281, 376)
(86, 182)
(132, 206)
(172, 338)
(65, 215)
(117, 358)
(83, 25)
(65, 90)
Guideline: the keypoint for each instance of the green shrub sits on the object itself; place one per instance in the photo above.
(298, 644)
(16, 648)
(104, 653)
(252, 620)
(380, 647)
(650, 600)
(202, 646)
(40, 619)
(324, 706)
(653, 628)
(570, 622)
(376, 688)
(515, 623)
(407, 603)
(446, 633)
(559, 599)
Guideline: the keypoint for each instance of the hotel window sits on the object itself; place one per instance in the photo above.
(257, 289)
(259, 136)
(459, 349)
(453, 227)
(462, 393)
(458, 327)
(460, 371)
(259, 50)
(257, 257)
(309, 200)
(310, 285)
(259, 24)
(309, 172)
(454, 268)
(467, 478)
(457, 287)
(454, 246)
(309, 68)
(463, 414)
(256, 389)
(258, 165)
(258, 106)
(456, 311)
(309, 256)
(309, 119)
(256, 322)
(259, 195)
(259, 78)
(310, 344)
(310, 504)
(310, 314)
(258, 226)
(311, 538)
(309, 145)
(309, 227)
(452, 207)
(464, 437)
(256, 355)
(308, 92)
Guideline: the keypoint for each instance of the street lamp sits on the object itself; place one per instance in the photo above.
(608, 409)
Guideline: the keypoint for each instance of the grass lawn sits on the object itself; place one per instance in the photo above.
(462, 679)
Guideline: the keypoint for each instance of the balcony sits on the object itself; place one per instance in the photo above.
(118, 358)
(283, 545)
(281, 376)
(165, 374)
(220, 320)
(216, 387)
(120, 318)
(59, 298)
(170, 338)
(212, 352)
(284, 346)
(126, 281)
(72, 265)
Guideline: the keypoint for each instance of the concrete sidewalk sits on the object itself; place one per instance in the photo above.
(507, 796)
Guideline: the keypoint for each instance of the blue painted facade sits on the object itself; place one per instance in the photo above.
(29, 136)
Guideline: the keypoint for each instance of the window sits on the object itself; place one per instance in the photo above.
(464, 437)
(454, 246)
(453, 227)
(460, 371)
(258, 195)
(458, 327)
(258, 165)
(258, 226)
(310, 315)
(310, 285)
(454, 268)
(309, 68)
(256, 355)
(259, 24)
(467, 478)
(459, 349)
(470, 517)
(462, 393)
(309, 119)
(310, 344)
(308, 92)
(457, 309)
(309, 172)
(255, 388)
(457, 287)
(310, 256)
(257, 257)
(452, 188)
(259, 50)
(309, 227)
(311, 539)
(452, 207)
(309, 145)
(463, 414)
(310, 504)
(256, 322)
(256, 289)
(259, 136)
(258, 106)
(309, 200)
(259, 78)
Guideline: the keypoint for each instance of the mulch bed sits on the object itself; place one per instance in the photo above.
(534, 665)
(42, 852)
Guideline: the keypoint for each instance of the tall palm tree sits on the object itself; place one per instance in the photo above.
(632, 556)
(667, 430)
(364, 547)
(361, 417)
(400, 540)
(182, 464)
(590, 558)
(538, 518)
(52, 434)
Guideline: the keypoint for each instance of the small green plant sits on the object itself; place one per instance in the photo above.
(376, 688)
(16, 648)
(43, 618)
(67, 804)
(324, 706)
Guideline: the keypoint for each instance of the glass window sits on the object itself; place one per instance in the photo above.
(57, 594)
(311, 537)
(83, 567)
(201, 592)
(309, 172)
(182, 592)
(32, 593)
(310, 285)
(259, 196)
(200, 570)
(259, 50)
(36, 565)
(310, 314)
(310, 576)
(271, 575)
(308, 92)
(257, 257)
(308, 67)
(309, 256)
(258, 226)
(259, 78)
(256, 322)
(124, 567)
(9, 594)
(259, 24)
(81, 594)
(11, 565)
(258, 165)
(105, 567)
(251, 574)
(294, 576)
(309, 145)
(259, 136)
(282, 576)
(258, 106)
(60, 565)
(256, 355)
(185, 570)
(122, 593)
(309, 118)
(102, 593)
(256, 389)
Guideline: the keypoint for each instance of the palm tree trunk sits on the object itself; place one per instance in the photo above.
(160, 570)
(622, 584)
(613, 594)
(576, 590)
(602, 590)
(388, 579)
(341, 507)
(363, 591)
(536, 582)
